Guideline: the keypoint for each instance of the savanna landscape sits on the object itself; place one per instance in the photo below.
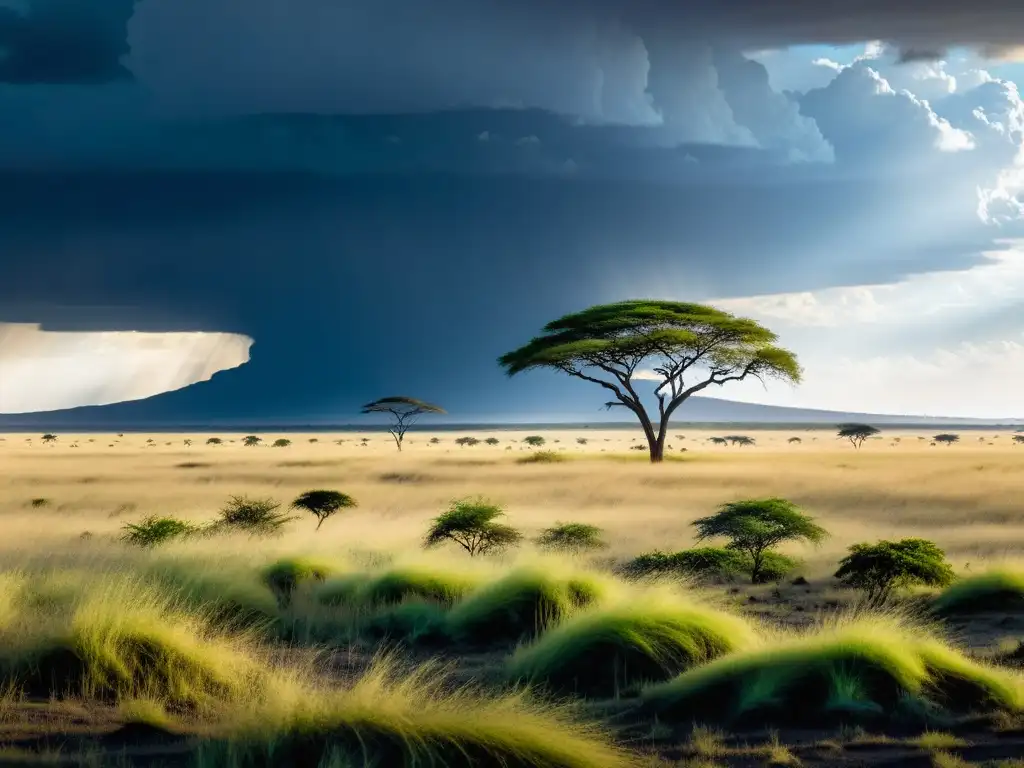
(511, 598)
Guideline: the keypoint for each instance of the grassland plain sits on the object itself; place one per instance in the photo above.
(352, 646)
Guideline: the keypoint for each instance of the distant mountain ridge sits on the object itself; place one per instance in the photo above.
(698, 410)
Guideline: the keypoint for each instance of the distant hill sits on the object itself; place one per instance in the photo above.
(698, 410)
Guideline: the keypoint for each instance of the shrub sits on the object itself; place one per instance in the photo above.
(464, 441)
(470, 523)
(323, 504)
(700, 563)
(492, 441)
(251, 440)
(282, 442)
(571, 537)
(602, 651)
(520, 604)
(947, 438)
(879, 569)
(871, 670)
(253, 515)
(581, 441)
(756, 526)
(534, 441)
(395, 585)
(155, 530)
(542, 457)
(214, 441)
(39, 503)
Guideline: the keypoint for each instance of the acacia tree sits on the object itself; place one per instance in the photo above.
(856, 433)
(610, 345)
(947, 438)
(404, 411)
(1018, 438)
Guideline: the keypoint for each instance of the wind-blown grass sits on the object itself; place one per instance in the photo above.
(607, 649)
(397, 584)
(998, 589)
(109, 636)
(285, 575)
(869, 669)
(522, 604)
(392, 717)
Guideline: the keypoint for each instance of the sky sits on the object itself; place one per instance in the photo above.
(275, 209)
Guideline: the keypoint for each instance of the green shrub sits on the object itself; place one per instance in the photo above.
(542, 457)
(282, 442)
(869, 671)
(470, 523)
(155, 530)
(602, 651)
(534, 441)
(520, 605)
(258, 516)
(879, 569)
(701, 563)
(571, 537)
(756, 526)
(395, 585)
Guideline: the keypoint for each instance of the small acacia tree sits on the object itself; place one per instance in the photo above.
(251, 440)
(856, 433)
(534, 441)
(492, 441)
(574, 538)
(617, 345)
(1018, 438)
(323, 504)
(214, 441)
(471, 523)
(756, 526)
(947, 438)
(282, 442)
(879, 569)
(49, 438)
(404, 411)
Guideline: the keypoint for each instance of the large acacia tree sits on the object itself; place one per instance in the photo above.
(403, 412)
(685, 348)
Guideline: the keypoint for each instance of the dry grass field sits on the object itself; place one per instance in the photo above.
(86, 620)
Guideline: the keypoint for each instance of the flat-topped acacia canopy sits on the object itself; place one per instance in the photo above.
(610, 344)
(403, 411)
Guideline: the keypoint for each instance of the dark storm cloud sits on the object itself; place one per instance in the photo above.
(63, 41)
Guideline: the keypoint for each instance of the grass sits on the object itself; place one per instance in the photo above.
(392, 716)
(287, 574)
(542, 457)
(872, 669)
(394, 585)
(998, 589)
(110, 637)
(610, 649)
(522, 604)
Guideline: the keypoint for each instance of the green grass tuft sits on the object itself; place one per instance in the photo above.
(543, 457)
(392, 717)
(395, 585)
(605, 650)
(109, 637)
(286, 575)
(521, 604)
(999, 589)
(871, 669)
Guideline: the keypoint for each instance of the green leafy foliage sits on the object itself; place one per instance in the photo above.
(1018, 438)
(573, 538)
(322, 504)
(49, 438)
(471, 523)
(251, 441)
(214, 441)
(542, 457)
(757, 526)
(282, 442)
(464, 441)
(947, 438)
(880, 569)
(155, 530)
(856, 433)
(492, 441)
(609, 343)
(534, 441)
(699, 563)
(258, 516)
